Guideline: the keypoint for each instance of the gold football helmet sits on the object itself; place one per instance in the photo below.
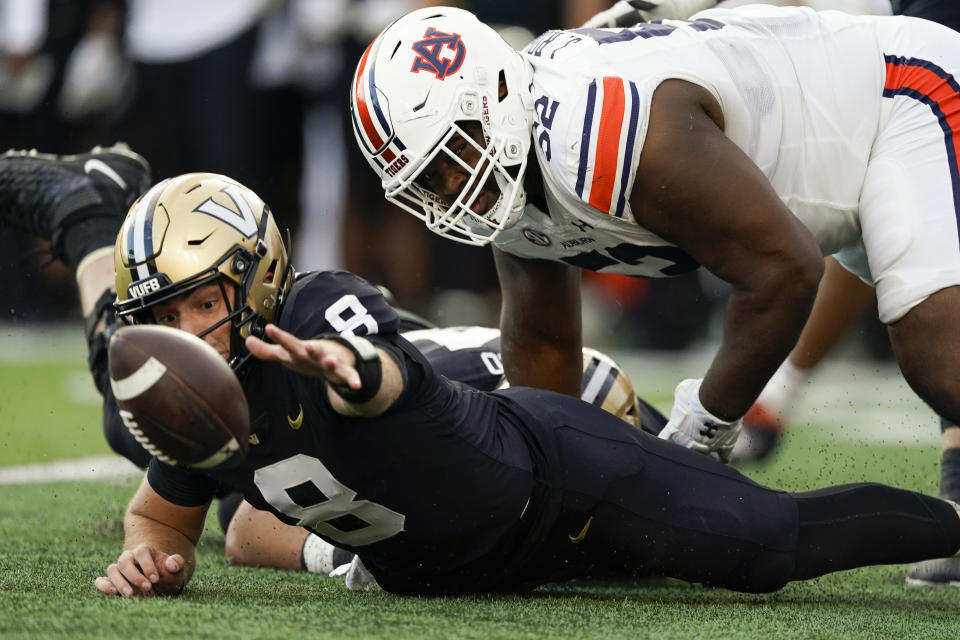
(606, 385)
(198, 228)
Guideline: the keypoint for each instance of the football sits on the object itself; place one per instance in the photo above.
(178, 397)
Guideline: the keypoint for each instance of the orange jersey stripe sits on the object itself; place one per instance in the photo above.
(605, 161)
(926, 82)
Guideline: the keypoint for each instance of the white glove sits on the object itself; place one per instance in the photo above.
(694, 427)
(627, 13)
(358, 578)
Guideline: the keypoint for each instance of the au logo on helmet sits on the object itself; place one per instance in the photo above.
(430, 49)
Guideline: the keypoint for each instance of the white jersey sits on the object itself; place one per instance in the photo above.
(810, 97)
(593, 88)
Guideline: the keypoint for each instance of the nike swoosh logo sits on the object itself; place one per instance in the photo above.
(583, 532)
(93, 164)
(295, 423)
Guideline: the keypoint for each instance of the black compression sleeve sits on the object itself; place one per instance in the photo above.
(180, 485)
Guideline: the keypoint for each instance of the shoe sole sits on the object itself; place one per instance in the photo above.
(917, 582)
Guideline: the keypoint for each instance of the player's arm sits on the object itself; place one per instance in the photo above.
(697, 189)
(540, 324)
(159, 545)
(363, 379)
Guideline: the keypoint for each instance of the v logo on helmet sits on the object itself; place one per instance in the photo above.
(241, 220)
(432, 48)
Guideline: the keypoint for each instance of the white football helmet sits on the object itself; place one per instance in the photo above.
(423, 76)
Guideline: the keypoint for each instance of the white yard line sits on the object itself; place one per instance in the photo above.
(45, 342)
(108, 467)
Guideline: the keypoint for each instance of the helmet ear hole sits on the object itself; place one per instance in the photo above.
(271, 273)
(502, 89)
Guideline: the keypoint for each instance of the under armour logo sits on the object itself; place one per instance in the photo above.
(710, 429)
(430, 49)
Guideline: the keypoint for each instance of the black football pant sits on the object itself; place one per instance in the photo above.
(618, 502)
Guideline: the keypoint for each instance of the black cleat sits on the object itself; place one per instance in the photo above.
(942, 572)
(44, 194)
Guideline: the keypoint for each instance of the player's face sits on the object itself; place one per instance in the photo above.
(447, 178)
(195, 312)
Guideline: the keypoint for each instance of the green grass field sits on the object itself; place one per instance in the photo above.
(855, 425)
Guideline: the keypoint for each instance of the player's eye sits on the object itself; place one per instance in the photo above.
(210, 304)
(425, 180)
(458, 148)
(164, 318)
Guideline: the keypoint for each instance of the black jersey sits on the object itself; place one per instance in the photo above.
(466, 354)
(399, 489)
(472, 355)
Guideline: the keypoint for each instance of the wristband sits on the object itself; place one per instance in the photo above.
(366, 362)
(317, 555)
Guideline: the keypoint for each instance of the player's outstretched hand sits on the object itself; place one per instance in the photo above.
(694, 427)
(143, 571)
(319, 358)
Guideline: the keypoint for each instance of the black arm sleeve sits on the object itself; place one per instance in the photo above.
(180, 485)
(414, 367)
